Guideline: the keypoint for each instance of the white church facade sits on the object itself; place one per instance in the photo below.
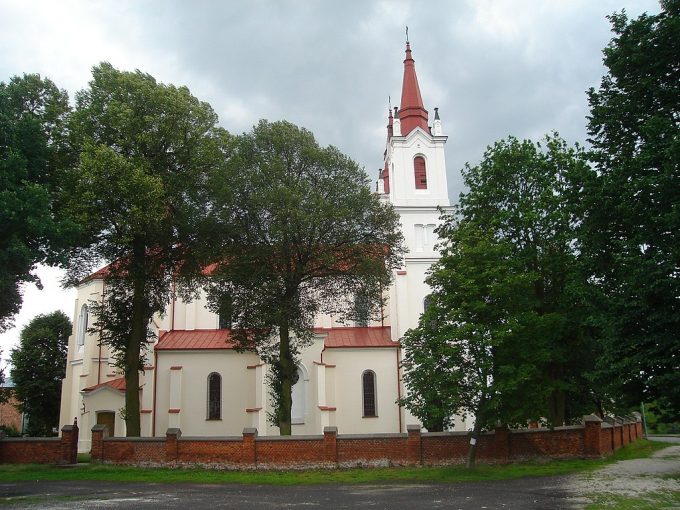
(349, 377)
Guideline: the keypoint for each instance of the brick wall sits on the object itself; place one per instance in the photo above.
(593, 438)
(41, 450)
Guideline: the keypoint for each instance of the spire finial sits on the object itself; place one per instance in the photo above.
(406, 34)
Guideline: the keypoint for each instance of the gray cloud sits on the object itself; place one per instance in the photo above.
(493, 67)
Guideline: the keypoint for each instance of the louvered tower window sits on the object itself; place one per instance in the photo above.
(420, 172)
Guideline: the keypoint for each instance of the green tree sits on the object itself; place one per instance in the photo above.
(630, 234)
(505, 338)
(300, 233)
(32, 116)
(519, 192)
(450, 357)
(38, 366)
(145, 149)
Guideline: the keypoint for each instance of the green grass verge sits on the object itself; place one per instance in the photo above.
(105, 472)
(83, 457)
(652, 501)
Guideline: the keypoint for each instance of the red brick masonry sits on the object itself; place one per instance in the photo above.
(41, 450)
(592, 439)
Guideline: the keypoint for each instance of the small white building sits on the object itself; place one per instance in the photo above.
(349, 377)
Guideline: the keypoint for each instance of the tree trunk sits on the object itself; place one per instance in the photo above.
(137, 335)
(556, 408)
(287, 370)
(472, 448)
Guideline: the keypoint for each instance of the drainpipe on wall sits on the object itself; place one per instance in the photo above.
(155, 380)
(399, 385)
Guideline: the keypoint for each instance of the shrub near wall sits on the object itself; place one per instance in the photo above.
(592, 439)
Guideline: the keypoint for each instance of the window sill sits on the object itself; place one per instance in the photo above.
(372, 416)
(213, 419)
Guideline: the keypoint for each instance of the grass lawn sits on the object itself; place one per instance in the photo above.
(24, 472)
(653, 501)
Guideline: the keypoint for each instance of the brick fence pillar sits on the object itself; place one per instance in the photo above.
(414, 444)
(330, 444)
(69, 443)
(592, 426)
(99, 433)
(172, 436)
(248, 450)
(502, 442)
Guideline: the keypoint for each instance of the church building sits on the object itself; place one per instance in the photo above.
(349, 377)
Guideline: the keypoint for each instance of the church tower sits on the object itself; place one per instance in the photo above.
(413, 179)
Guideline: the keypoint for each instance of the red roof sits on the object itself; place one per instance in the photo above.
(116, 384)
(412, 113)
(338, 338)
(195, 339)
(219, 338)
(100, 274)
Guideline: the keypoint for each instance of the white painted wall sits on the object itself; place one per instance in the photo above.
(350, 364)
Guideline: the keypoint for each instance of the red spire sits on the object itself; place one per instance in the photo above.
(412, 113)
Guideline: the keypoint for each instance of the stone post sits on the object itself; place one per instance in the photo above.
(414, 444)
(69, 443)
(99, 433)
(592, 426)
(172, 436)
(248, 451)
(330, 444)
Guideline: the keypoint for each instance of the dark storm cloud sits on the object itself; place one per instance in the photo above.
(493, 67)
(330, 66)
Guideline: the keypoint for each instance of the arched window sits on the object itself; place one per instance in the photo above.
(299, 396)
(214, 396)
(225, 313)
(82, 326)
(369, 397)
(426, 302)
(420, 172)
(361, 309)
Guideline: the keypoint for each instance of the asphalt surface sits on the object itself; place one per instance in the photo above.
(528, 493)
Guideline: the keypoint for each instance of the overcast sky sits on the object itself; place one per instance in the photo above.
(493, 67)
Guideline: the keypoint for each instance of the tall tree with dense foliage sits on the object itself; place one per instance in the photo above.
(506, 321)
(301, 233)
(145, 150)
(519, 192)
(450, 357)
(38, 367)
(33, 112)
(631, 204)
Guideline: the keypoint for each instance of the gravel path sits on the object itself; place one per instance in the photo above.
(630, 478)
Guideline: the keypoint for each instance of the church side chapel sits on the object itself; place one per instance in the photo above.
(348, 377)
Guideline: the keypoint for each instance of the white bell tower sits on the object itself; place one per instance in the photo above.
(413, 179)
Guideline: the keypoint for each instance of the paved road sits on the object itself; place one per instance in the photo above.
(529, 493)
(665, 439)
